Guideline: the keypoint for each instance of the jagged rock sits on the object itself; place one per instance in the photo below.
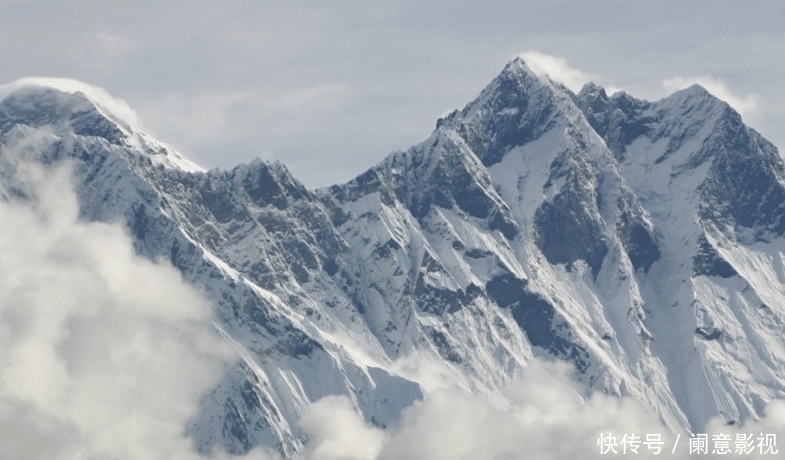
(637, 240)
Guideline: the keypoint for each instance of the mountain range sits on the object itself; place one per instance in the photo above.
(642, 242)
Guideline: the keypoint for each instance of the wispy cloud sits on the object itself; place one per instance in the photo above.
(102, 51)
(116, 106)
(542, 415)
(194, 118)
(338, 432)
(310, 97)
(558, 69)
(199, 121)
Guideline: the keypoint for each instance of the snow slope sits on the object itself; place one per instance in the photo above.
(640, 241)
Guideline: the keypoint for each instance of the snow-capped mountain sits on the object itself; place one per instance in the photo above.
(640, 241)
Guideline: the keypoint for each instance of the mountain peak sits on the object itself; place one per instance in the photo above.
(593, 90)
(533, 222)
(39, 106)
(71, 106)
(117, 110)
(693, 95)
(518, 63)
(520, 70)
(696, 89)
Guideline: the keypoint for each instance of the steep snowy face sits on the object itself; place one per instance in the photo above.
(576, 211)
(744, 188)
(640, 241)
(714, 190)
(428, 230)
(553, 169)
(525, 218)
(253, 239)
(38, 106)
(515, 109)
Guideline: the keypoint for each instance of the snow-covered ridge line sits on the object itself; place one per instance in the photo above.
(535, 221)
(112, 107)
(113, 110)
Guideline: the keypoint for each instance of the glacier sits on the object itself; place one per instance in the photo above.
(640, 241)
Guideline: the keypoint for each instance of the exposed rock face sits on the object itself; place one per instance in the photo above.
(641, 241)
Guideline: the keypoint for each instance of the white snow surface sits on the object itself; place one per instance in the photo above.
(336, 291)
(111, 106)
(114, 109)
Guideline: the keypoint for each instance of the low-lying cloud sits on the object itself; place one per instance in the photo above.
(103, 354)
(544, 414)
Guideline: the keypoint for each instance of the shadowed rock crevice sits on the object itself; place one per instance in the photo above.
(565, 233)
(538, 319)
(707, 262)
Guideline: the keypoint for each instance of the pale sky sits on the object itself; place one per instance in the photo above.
(331, 88)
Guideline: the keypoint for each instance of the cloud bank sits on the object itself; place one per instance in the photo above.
(544, 414)
(103, 354)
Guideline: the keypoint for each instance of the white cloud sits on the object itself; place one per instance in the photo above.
(207, 119)
(747, 106)
(103, 52)
(557, 69)
(103, 354)
(194, 119)
(323, 95)
(338, 432)
(773, 423)
(542, 415)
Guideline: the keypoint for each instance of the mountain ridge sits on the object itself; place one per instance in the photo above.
(605, 231)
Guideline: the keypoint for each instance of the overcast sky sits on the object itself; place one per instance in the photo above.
(330, 88)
